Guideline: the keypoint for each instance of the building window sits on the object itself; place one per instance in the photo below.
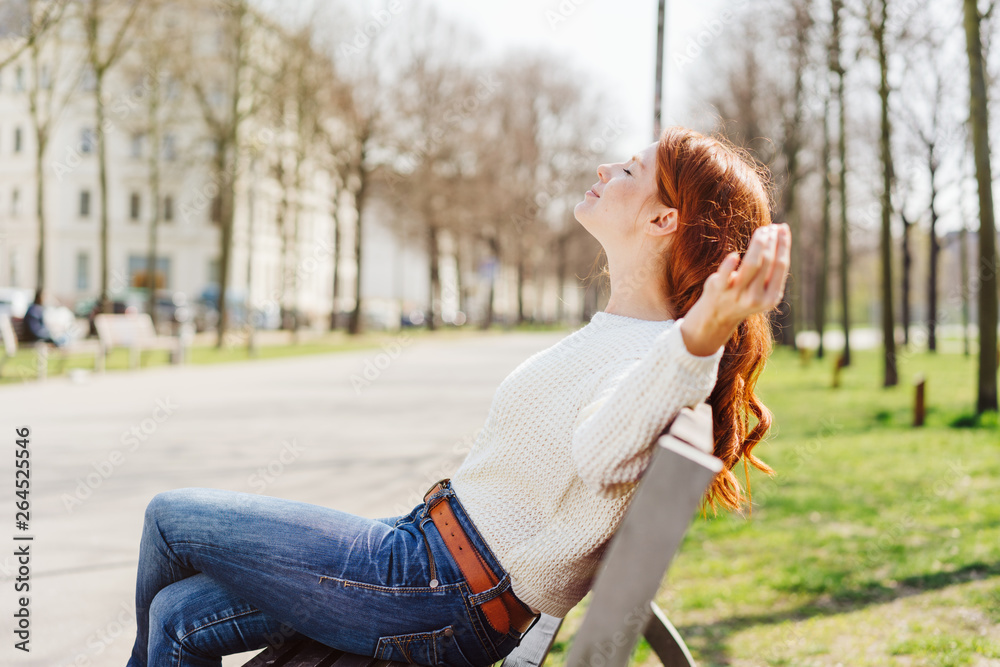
(134, 206)
(19, 80)
(45, 81)
(17, 140)
(82, 271)
(213, 272)
(168, 208)
(137, 140)
(138, 275)
(169, 147)
(15, 203)
(88, 141)
(84, 203)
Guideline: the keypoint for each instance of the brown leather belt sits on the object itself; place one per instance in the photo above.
(504, 611)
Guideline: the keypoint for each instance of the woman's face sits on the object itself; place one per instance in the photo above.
(616, 209)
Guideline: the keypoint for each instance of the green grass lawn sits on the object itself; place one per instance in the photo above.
(876, 543)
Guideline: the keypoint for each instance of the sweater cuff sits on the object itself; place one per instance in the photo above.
(693, 365)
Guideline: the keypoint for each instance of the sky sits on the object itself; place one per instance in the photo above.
(614, 39)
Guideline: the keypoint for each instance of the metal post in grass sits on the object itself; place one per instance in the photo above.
(836, 370)
(918, 400)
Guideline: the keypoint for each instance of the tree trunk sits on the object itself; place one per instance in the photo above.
(963, 261)
(932, 264)
(459, 282)
(891, 377)
(296, 258)
(986, 399)
(228, 210)
(354, 326)
(520, 283)
(845, 310)
(286, 323)
(228, 157)
(102, 185)
(495, 249)
(824, 264)
(41, 140)
(434, 262)
(335, 307)
(154, 187)
(907, 266)
(562, 263)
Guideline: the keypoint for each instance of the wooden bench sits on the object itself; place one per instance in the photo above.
(12, 331)
(135, 331)
(631, 571)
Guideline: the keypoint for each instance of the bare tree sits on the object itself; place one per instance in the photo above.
(877, 12)
(30, 21)
(352, 133)
(50, 87)
(156, 86)
(837, 67)
(106, 23)
(227, 92)
(986, 399)
(438, 104)
(295, 110)
(822, 275)
(933, 132)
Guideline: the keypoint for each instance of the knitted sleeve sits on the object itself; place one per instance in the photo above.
(614, 434)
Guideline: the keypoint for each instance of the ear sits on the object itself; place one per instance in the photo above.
(664, 222)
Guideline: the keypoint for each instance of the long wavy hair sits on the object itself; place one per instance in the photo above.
(721, 195)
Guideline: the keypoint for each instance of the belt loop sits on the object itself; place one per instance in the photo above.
(487, 595)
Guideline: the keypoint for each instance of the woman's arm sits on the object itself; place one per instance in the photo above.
(613, 439)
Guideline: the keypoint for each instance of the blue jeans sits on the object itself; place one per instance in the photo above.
(222, 572)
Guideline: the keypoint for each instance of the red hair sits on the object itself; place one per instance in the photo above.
(721, 195)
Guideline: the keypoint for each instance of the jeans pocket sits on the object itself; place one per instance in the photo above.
(439, 647)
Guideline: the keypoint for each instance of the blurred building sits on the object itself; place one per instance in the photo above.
(155, 121)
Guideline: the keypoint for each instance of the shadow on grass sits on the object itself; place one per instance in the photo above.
(711, 638)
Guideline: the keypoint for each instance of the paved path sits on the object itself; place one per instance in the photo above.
(296, 428)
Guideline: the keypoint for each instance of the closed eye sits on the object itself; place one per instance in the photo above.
(627, 172)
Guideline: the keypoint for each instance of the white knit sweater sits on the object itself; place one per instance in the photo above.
(568, 435)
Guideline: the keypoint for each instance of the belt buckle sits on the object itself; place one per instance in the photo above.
(434, 486)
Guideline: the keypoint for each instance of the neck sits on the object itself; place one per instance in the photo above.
(636, 290)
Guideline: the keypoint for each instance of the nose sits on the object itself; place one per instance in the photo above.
(603, 171)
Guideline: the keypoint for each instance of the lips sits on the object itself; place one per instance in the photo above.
(591, 191)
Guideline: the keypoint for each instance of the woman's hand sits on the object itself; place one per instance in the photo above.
(732, 294)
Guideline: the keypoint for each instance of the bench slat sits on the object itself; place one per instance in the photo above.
(536, 644)
(352, 660)
(278, 656)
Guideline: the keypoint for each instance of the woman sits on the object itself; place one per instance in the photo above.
(520, 528)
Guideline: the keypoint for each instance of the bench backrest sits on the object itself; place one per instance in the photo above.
(8, 335)
(124, 330)
(640, 552)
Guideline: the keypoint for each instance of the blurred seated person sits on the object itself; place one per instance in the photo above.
(34, 323)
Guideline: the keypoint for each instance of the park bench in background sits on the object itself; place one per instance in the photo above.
(12, 332)
(633, 567)
(135, 331)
